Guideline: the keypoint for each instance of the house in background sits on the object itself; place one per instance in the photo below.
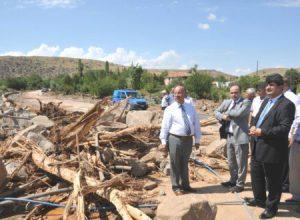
(221, 84)
(176, 75)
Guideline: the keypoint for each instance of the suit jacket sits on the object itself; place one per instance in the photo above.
(272, 146)
(239, 116)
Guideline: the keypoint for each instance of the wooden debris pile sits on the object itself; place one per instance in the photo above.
(86, 171)
(51, 110)
(100, 167)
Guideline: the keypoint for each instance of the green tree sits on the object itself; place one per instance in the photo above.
(246, 82)
(136, 75)
(107, 67)
(293, 77)
(220, 78)
(34, 82)
(199, 85)
(80, 68)
(18, 83)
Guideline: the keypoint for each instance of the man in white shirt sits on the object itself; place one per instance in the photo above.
(293, 98)
(256, 103)
(288, 92)
(250, 94)
(165, 101)
(180, 123)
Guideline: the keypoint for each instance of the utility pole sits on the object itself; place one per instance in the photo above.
(257, 67)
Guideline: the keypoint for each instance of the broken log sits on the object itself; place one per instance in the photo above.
(42, 161)
(128, 131)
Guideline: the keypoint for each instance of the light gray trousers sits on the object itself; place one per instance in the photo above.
(237, 155)
(294, 172)
(180, 150)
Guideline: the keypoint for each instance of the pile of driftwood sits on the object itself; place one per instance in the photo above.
(84, 163)
(90, 167)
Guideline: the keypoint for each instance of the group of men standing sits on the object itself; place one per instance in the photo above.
(267, 129)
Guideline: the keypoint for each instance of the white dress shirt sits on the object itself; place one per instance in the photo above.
(256, 103)
(165, 101)
(173, 122)
(295, 128)
(230, 129)
(190, 100)
(291, 96)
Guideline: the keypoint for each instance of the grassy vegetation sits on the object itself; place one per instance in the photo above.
(101, 83)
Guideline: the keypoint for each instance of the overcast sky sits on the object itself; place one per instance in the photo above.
(214, 34)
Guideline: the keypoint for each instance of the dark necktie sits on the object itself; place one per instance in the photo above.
(186, 121)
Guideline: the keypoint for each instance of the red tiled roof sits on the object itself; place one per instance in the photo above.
(178, 74)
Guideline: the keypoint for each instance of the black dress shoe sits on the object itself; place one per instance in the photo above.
(253, 202)
(178, 192)
(228, 184)
(285, 188)
(267, 214)
(236, 189)
(189, 189)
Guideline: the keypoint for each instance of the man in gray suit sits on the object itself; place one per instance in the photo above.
(235, 113)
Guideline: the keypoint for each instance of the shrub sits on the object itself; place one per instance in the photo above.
(199, 85)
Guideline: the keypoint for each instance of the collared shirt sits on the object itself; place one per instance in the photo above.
(230, 129)
(190, 100)
(256, 103)
(165, 101)
(295, 128)
(291, 96)
(270, 104)
(173, 122)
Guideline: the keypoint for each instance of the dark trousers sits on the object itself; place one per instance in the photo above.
(269, 174)
(180, 149)
(285, 175)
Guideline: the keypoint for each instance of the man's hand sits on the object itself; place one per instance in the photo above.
(226, 118)
(291, 141)
(197, 145)
(164, 149)
(255, 132)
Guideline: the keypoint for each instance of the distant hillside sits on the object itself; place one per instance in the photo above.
(268, 71)
(51, 66)
(46, 66)
(213, 73)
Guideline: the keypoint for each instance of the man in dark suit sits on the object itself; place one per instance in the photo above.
(269, 131)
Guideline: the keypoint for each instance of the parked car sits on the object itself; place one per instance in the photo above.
(136, 101)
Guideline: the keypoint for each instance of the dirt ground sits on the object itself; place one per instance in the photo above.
(209, 189)
(69, 103)
(213, 192)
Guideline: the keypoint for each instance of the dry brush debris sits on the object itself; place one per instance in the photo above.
(106, 170)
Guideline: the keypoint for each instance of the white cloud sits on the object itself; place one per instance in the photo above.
(242, 71)
(51, 3)
(211, 17)
(122, 56)
(203, 26)
(167, 59)
(285, 3)
(94, 53)
(13, 53)
(184, 67)
(44, 50)
(74, 52)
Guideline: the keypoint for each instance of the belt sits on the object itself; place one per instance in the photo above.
(229, 134)
(181, 137)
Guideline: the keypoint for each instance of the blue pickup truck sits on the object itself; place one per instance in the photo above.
(136, 101)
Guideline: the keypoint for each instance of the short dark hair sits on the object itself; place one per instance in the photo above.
(234, 84)
(275, 78)
(261, 86)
